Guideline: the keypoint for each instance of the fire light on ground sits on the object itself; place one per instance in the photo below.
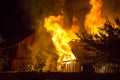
(94, 19)
(60, 38)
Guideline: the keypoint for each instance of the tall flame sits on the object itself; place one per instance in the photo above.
(60, 38)
(94, 19)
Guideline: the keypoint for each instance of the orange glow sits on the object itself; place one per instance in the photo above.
(94, 19)
(60, 38)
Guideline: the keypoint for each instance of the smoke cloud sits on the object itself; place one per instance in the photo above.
(111, 7)
(76, 9)
(43, 52)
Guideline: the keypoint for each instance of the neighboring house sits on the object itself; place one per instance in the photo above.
(23, 53)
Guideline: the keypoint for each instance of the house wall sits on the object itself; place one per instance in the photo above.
(23, 54)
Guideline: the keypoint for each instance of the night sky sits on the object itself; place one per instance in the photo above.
(13, 26)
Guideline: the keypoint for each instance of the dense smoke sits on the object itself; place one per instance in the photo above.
(111, 7)
(43, 53)
(76, 9)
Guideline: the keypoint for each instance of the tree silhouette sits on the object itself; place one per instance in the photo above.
(108, 46)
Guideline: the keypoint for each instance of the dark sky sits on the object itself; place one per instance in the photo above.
(13, 26)
(11, 16)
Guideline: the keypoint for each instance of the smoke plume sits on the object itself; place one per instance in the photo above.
(75, 9)
(43, 53)
(111, 7)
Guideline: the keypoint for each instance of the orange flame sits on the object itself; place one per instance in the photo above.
(94, 19)
(60, 38)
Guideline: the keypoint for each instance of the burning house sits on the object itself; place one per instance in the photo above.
(57, 44)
